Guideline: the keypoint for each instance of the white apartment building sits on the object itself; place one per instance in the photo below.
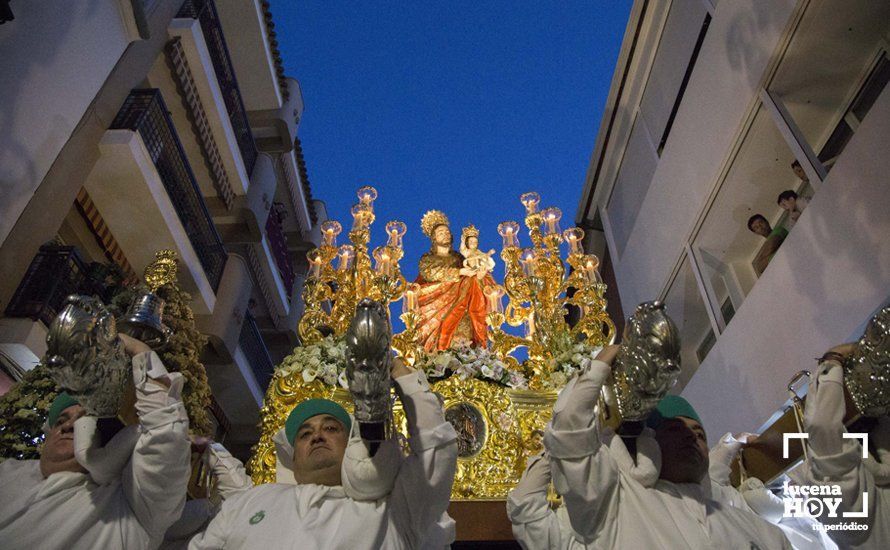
(711, 103)
(131, 126)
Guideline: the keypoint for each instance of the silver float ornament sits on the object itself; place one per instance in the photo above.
(86, 357)
(647, 364)
(368, 362)
(143, 321)
(867, 371)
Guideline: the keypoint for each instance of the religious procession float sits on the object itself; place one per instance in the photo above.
(454, 315)
(498, 385)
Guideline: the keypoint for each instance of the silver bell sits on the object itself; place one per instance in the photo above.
(143, 321)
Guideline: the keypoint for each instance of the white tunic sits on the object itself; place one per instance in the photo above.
(69, 511)
(610, 509)
(281, 515)
(752, 495)
(837, 461)
(230, 479)
(536, 526)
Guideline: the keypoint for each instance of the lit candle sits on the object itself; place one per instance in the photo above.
(409, 303)
(314, 257)
(360, 215)
(395, 230)
(509, 231)
(345, 253)
(530, 202)
(384, 260)
(574, 237)
(329, 230)
(528, 261)
(366, 196)
(551, 219)
(591, 263)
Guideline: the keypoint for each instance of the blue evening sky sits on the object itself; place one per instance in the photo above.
(459, 106)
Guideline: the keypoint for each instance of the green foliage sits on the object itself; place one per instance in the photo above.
(182, 354)
(22, 414)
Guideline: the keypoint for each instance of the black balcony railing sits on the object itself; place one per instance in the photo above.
(205, 12)
(278, 245)
(54, 273)
(253, 347)
(144, 111)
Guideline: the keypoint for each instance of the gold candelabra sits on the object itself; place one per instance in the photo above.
(539, 289)
(537, 283)
(340, 277)
(496, 422)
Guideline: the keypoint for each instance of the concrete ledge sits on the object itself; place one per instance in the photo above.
(127, 190)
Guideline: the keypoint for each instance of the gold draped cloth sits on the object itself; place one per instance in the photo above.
(452, 307)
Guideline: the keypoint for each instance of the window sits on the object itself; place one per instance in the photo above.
(685, 305)
(686, 76)
(727, 310)
(677, 51)
(705, 346)
(859, 107)
(832, 70)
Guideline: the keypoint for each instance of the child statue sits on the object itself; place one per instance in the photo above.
(480, 262)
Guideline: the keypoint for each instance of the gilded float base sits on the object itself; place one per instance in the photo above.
(498, 428)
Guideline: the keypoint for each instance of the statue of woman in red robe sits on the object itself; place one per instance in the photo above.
(451, 304)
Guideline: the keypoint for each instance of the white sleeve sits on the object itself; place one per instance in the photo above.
(155, 480)
(720, 467)
(366, 477)
(720, 459)
(535, 524)
(423, 486)
(228, 471)
(217, 533)
(834, 460)
(584, 472)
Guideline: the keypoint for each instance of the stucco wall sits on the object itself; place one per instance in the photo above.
(54, 58)
(829, 276)
(740, 41)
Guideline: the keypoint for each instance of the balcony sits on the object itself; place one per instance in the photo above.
(254, 349)
(54, 273)
(254, 54)
(278, 246)
(145, 113)
(204, 11)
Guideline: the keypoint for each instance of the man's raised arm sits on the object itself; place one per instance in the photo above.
(423, 485)
(583, 471)
(156, 477)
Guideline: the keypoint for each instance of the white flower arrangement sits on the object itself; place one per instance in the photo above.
(468, 362)
(324, 361)
(568, 363)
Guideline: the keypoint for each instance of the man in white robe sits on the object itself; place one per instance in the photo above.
(124, 494)
(229, 479)
(317, 512)
(837, 461)
(610, 509)
(753, 495)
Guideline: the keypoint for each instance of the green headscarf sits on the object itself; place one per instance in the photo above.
(671, 406)
(60, 403)
(314, 407)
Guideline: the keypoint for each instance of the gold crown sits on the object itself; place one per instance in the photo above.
(469, 231)
(431, 220)
(162, 271)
